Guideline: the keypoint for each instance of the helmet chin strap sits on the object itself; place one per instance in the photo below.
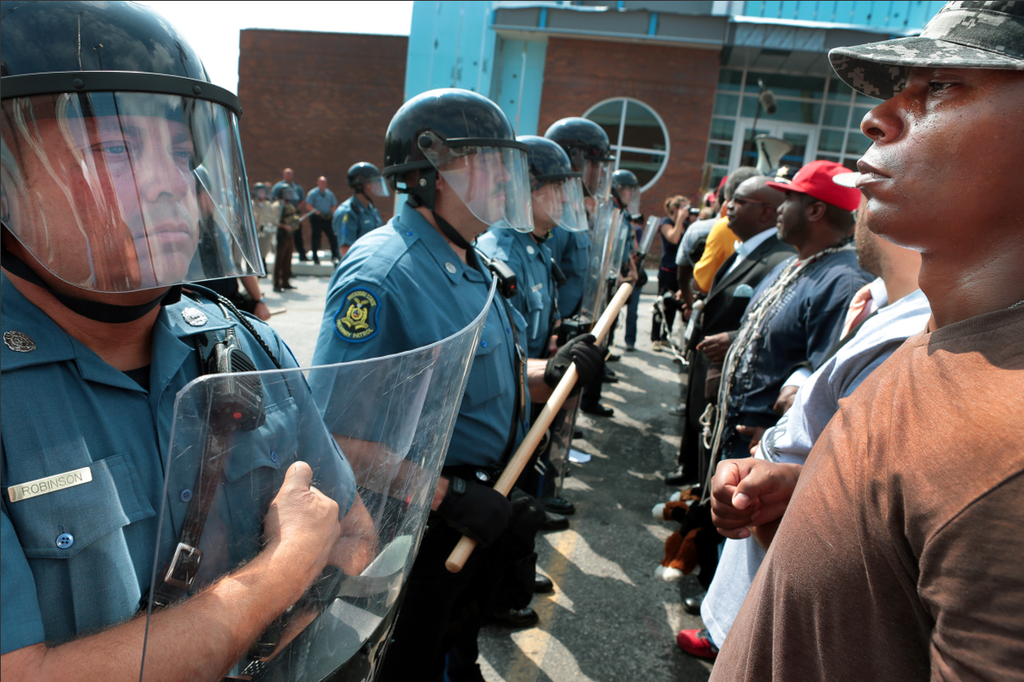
(455, 238)
(423, 196)
(94, 310)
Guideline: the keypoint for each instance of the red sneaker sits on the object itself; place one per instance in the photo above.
(697, 643)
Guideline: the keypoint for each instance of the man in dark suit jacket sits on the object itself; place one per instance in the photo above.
(752, 216)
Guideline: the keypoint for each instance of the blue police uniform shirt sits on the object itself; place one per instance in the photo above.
(78, 559)
(352, 220)
(535, 297)
(291, 192)
(402, 287)
(322, 200)
(571, 250)
(804, 328)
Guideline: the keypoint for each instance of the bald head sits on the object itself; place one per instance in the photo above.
(753, 207)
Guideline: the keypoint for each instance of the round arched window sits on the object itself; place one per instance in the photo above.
(638, 136)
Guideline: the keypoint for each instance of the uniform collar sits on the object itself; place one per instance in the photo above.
(447, 260)
(171, 340)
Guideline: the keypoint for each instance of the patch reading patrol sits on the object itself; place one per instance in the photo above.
(20, 342)
(356, 319)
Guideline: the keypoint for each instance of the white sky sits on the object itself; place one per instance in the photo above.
(212, 28)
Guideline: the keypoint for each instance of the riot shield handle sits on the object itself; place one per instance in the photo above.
(457, 559)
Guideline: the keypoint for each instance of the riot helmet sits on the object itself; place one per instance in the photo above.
(626, 190)
(467, 140)
(556, 190)
(588, 148)
(364, 177)
(260, 190)
(121, 162)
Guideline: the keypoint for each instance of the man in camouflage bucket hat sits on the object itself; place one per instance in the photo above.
(967, 35)
(899, 556)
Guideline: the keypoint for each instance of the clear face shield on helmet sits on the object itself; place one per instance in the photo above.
(597, 176)
(601, 263)
(126, 191)
(490, 176)
(376, 187)
(630, 198)
(561, 200)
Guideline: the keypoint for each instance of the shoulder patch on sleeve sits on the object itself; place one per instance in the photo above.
(356, 319)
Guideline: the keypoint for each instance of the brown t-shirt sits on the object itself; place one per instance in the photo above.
(901, 556)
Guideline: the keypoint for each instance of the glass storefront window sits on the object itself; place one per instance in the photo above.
(718, 154)
(729, 79)
(725, 105)
(786, 86)
(788, 110)
(831, 140)
(722, 128)
(836, 115)
(804, 103)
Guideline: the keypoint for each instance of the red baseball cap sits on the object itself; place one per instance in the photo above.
(816, 179)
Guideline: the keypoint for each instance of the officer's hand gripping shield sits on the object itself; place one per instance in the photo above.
(127, 191)
(595, 288)
(374, 433)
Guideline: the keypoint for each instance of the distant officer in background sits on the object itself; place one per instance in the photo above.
(357, 215)
(418, 280)
(267, 216)
(626, 194)
(287, 189)
(323, 202)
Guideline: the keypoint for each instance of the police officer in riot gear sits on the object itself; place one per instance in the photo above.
(589, 149)
(626, 195)
(357, 215)
(107, 115)
(415, 281)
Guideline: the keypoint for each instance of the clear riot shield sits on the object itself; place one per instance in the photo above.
(374, 432)
(595, 288)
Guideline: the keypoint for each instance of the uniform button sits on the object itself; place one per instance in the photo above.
(508, 329)
(449, 267)
(483, 344)
(409, 233)
(273, 457)
(185, 495)
(65, 540)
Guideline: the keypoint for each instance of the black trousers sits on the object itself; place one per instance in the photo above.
(690, 449)
(318, 225)
(440, 608)
(667, 281)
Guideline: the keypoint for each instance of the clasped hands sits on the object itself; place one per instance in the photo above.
(750, 492)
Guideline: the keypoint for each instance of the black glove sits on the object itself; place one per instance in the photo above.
(476, 511)
(581, 349)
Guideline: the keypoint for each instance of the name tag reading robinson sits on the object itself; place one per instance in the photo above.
(41, 486)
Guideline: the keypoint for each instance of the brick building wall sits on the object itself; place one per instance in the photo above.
(678, 83)
(317, 103)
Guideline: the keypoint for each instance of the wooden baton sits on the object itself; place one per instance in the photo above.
(457, 559)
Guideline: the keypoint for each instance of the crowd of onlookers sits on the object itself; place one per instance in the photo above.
(789, 304)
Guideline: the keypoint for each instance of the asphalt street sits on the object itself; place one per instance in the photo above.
(609, 618)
